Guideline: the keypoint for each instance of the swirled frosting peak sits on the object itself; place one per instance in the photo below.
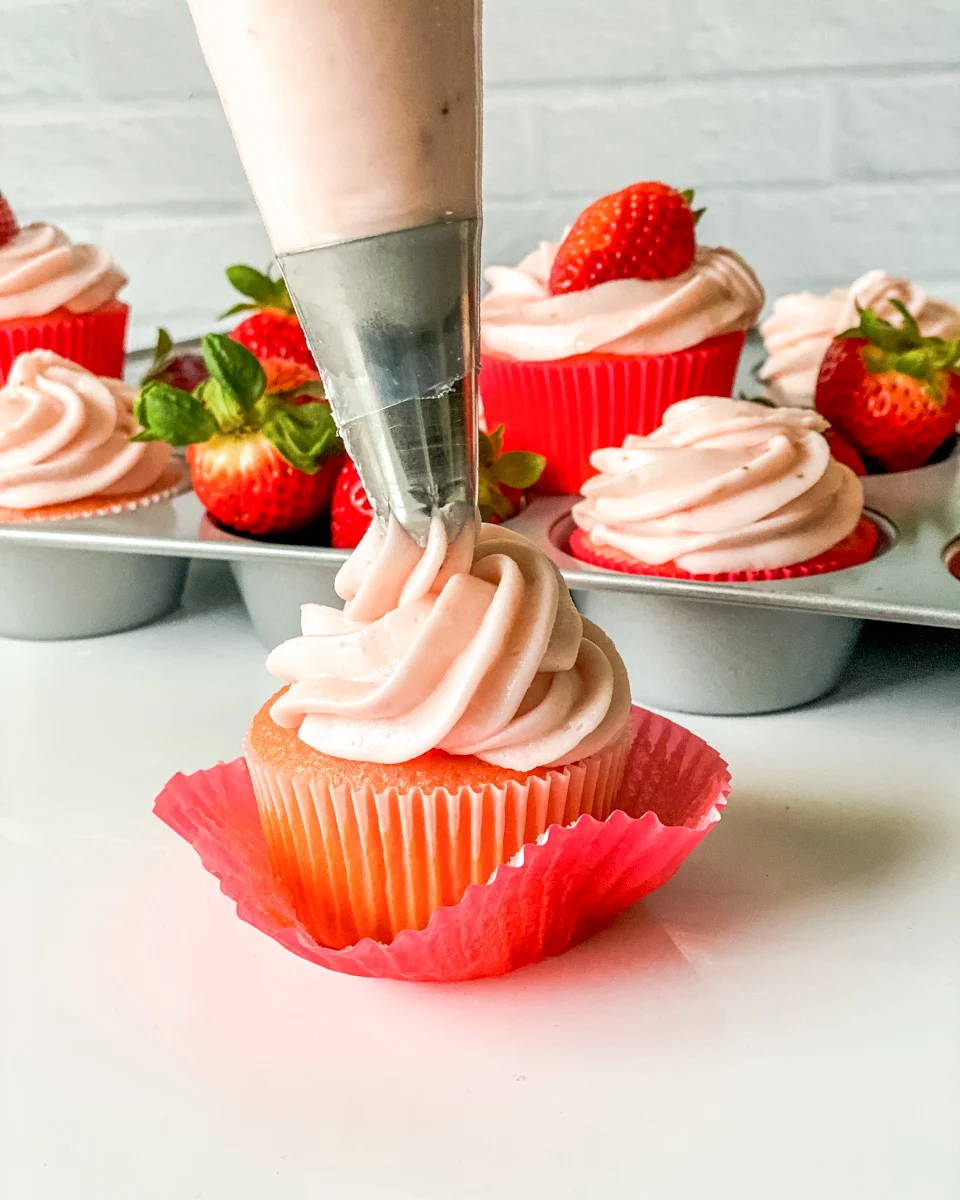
(65, 435)
(520, 319)
(42, 270)
(722, 486)
(475, 649)
(798, 332)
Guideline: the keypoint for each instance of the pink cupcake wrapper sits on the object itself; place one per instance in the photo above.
(366, 863)
(93, 340)
(567, 409)
(553, 894)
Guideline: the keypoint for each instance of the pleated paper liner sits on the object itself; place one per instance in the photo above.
(568, 408)
(362, 862)
(173, 482)
(94, 340)
(554, 893)
(854, 550)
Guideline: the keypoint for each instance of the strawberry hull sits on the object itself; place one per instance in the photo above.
(568, 408)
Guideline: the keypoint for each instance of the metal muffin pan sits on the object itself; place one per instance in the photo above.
(689, 646)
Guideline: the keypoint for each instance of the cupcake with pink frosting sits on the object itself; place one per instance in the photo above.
(725, 490)
(798, 332)
(66, 447)
(457, 708)
(593, 339)
(56, 295)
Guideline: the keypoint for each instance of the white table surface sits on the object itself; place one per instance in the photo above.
(782, 1020)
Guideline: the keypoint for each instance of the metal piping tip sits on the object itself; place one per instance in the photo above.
(393, 323)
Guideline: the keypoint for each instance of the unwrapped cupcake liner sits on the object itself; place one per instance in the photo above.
(362, 863)
(566, 409)
(554, 892)
(854, 550)
(94, 340)
(173, 482)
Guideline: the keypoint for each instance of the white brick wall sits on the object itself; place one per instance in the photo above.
(823, 136)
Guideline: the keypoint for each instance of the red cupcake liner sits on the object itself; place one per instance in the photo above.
(568, 408)
(854, 550)
(94, 340)
(555, 893)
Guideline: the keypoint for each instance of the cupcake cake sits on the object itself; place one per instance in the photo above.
(725, 490)
(55, 295)
(799, 331)
(457, 708)
(66, 447)
(590, 340)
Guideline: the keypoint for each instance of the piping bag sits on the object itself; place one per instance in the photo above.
(358, 123)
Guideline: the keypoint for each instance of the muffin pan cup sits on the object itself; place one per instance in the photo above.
(689, 645)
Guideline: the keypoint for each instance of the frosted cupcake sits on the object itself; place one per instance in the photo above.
(725, 490)
(65, 444)
(456, 709)
(58, 296)
(801, 327)
(590, 340)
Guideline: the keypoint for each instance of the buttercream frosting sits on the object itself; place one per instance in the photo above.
(722, 486)
(41, 270)
(520, 319)
(476, 649)
(65, 435)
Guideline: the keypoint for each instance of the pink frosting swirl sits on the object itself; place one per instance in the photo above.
(42, 270)
(799, 330)
(722, 486)
(476, 649)
(520, 319)
(65, 435)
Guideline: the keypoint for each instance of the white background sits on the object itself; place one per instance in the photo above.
(824, 135)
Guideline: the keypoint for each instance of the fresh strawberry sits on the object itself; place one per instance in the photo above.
(273, 330)
(184, 371)
(892, 393)
(645, 231)
(843, 452)
(260, 464)
(351, 511)
(8, 222)
(503, 480)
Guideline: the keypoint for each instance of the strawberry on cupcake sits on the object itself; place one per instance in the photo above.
(261, 461)
(60, 296)
(592, 339)
(728, 491)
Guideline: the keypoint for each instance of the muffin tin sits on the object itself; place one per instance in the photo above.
(690, 646)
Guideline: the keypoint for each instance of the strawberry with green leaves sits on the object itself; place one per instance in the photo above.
(272, 330)
(259, 462)
(892, 393)
(503, 480)
(645, 231)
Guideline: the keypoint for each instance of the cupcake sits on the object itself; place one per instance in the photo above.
(66, 448)
(58, 296)
(455, 710)
(591, 340)
(725, 490)
(801, 327)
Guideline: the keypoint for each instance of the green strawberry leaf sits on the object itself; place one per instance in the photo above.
(312, 387)
(227, 413)
(491, 500)
(496, 440)
(160, 355)
(303, 434)
(911, 329)
(238, 308)
(255, 284)
(167, 414)
(518, 469)
(235, 369)
(880, 332)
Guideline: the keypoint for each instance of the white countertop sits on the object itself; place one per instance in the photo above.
(781, 1021)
